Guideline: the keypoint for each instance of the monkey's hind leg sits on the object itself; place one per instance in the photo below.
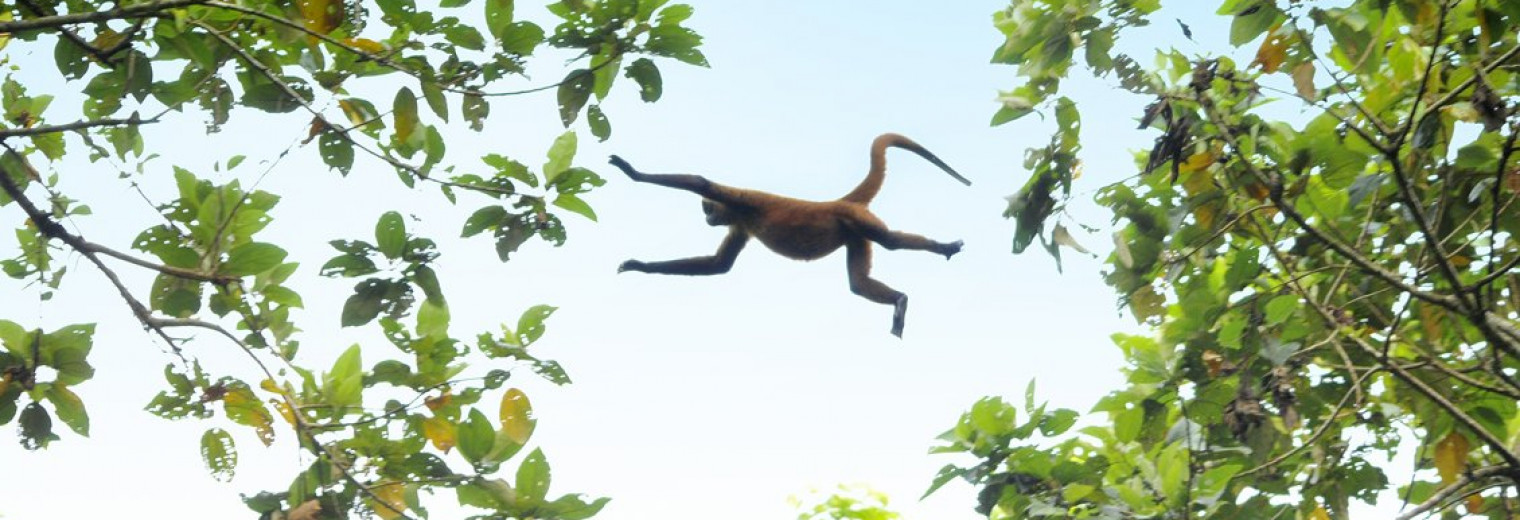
(874, 230)
(859, 261)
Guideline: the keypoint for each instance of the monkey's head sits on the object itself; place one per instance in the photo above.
(717, 213)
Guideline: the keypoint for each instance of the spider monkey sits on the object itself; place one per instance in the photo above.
(801, 229)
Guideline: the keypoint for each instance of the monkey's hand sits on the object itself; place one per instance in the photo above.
(632, 265)
(627, 168)
(951, 249)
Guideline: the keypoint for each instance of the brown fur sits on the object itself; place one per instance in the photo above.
(801, 229)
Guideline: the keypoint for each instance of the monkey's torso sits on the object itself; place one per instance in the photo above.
(800, 229)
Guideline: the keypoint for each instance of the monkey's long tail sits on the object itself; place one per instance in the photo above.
(868, 188)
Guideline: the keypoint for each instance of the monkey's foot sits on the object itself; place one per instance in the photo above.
(899, 315)
(631, 265)
(950, 249)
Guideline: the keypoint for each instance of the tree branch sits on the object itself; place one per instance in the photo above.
(1494, 443)
(48, 227)
(298, 421)
(128, 11)
(1469, 478)
(71, 36)
(6, 133)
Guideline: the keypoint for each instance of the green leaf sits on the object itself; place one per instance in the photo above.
(1248, 26)
(70, 409)
(366, 303)
(463, 36)
(72, 61)
(1057, 422)
(433, 320)
(346, 379)
(575, 204)
(677, 42)
(264, 94)
(499, 17)
(521, 38)
(348, 266)
(991, 416)
(36, 427)
(220, 454)
(575, 507)
(946, 474)
(561, 153)
(533, 479)
(530, 326)
(252, 258)
(489, 217)
(476, 436)
(600, 127)
(475, 109)
(675, 14)
(605, 68)
(427, 280)
(1281, 308)
(552, 372)
(573, 94)
(647, 75)
(405, 112)
(390, 235)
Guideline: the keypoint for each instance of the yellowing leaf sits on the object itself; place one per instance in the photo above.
(1257, 191)
(1205, 214)
(1273, 50)
(1214, 361)
(107, 38)
(355, 112)
(308, 510)
(441, 432)
(1319, 513)
(1431, 318)
(321, 16)
(1475, 504)
(1198, 161)
(1145, 303)
(1463, 111)
(392, 500)
(434, 403)
(406, 114)
(365, 44)
(1303, 80)
(270, 386)
(1063, 237)
(516, 416)
(244, 408)
(284, 409)
(1451, 456)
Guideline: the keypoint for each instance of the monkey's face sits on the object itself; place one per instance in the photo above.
(717, 214)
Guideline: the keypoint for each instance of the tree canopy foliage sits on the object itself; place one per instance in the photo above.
(382, 84)
(1323, 240)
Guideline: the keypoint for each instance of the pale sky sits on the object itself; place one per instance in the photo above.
(694, 398)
